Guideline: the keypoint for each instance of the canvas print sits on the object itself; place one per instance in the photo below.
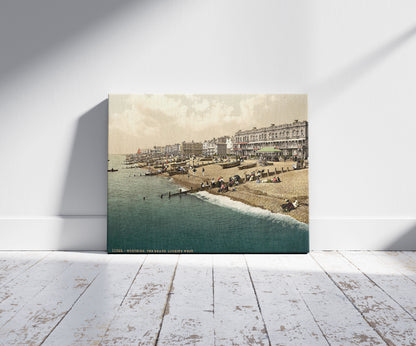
(208, 174)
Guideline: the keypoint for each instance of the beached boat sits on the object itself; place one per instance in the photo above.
(148, 173)
(112, 170)
(178, 164)
(230, 164)
(251, 165)
(176, 172)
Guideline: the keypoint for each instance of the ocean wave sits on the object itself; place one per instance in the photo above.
(241, 207)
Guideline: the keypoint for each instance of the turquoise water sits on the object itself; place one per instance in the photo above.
(199, 223)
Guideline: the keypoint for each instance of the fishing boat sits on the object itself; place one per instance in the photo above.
(149, 173)
(112, 170)
(178, 164)
(230, 164)
(250, 165)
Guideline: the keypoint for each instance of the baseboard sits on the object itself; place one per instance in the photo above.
(54, 233)
(90, 233)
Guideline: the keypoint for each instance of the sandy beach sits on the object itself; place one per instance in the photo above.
(270, 196)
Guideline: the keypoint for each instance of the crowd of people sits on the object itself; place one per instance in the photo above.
(223, 186)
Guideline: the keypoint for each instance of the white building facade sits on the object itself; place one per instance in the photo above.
(291, 139)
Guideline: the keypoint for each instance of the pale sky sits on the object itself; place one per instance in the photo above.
(142, 121)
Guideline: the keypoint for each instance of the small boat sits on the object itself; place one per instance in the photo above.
(149, 173)
(112, 170)
(230, 164)
(248, 165)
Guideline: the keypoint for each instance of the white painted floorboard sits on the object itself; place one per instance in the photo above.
(90, 318)
(189, 315)
(341, 323)
(385, 315)
(139, 318)
(336, 298)
(287, 317)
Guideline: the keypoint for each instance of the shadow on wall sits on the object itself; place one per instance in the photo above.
(407, 242)
(25, 27)
(83, 206)
(85, 189)
(327, 90)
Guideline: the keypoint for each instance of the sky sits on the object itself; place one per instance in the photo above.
(142, 121)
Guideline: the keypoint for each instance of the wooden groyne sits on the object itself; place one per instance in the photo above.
(181, 193)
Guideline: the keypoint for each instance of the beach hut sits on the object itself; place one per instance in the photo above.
(269, 153)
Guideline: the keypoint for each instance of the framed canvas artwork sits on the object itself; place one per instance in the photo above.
(208, 174)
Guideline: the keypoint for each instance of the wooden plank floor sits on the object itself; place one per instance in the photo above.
(89, 298)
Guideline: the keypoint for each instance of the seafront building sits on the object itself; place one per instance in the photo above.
(221, 149)
(291, 139)
(217, 146)
(191, 148)
(209, 147)
(172, 149)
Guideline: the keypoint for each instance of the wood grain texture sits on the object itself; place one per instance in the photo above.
(17, 292)
(189, 316)
(340, 298)
(287, 317)
(238, 320)
(44, 310)
(403, 262)
(338, 319)
(387, 317)
(12, 264)
(89, 319)
(386, 276)
(139, 318)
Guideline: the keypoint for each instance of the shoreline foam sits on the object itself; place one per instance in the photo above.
(228, 202)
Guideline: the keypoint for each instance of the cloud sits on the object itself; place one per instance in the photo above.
(147, 120)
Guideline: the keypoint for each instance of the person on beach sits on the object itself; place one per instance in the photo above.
(203, 172)
(288, 206)
(188, 175)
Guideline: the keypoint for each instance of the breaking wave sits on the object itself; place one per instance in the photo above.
(227, 202)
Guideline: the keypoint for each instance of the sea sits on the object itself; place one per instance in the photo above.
(141, 221)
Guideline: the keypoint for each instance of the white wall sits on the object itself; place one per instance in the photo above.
(60, 59)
